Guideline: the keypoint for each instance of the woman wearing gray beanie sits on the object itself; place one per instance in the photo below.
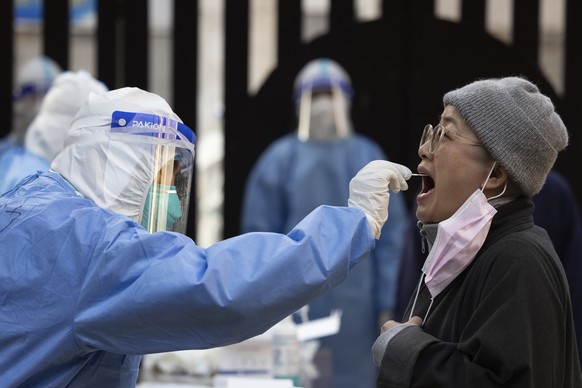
(492, 306)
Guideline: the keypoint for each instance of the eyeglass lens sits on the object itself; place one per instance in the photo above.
(433, 136)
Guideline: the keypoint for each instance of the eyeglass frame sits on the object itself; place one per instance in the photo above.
(428, 136)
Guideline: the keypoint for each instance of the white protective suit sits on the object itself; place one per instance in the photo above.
(45, 136)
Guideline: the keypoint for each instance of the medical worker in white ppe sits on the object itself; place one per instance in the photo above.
(313, 166)
(33, 80)
(93, 271)
(45, 136)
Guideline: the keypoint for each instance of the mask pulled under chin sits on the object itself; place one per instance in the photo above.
(458, 240)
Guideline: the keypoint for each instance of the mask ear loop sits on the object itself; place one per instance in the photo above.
(500, 194)
(489, 176)
(416, 298)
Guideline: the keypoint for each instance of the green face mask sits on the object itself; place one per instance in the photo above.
(162, 200)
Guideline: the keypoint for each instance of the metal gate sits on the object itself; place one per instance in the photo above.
(401, 64)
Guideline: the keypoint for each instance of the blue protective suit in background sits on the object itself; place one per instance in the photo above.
(7, 143)
(83, 314)
(17, 163)
(291, 178)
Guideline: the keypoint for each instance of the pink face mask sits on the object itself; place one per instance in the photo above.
(458, 240)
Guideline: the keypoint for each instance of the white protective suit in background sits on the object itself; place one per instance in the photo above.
(33, 80)
(45, 136)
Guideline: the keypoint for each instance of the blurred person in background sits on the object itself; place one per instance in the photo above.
(557, 211)
(96, 269)
(313, 166)
(45, 136)
(33, 80)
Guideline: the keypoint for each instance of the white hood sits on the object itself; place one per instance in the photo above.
(113, 169)
(46, 134)
(33, 80)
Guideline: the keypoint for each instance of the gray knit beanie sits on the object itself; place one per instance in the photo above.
(517, 125)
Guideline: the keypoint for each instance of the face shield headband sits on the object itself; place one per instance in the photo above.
(165, 204)
(30, 89)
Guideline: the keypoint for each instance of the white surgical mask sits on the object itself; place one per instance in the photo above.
(322, 121)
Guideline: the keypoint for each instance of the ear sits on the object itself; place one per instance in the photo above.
(497, 181)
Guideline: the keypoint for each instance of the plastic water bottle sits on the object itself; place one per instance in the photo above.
(286, 360)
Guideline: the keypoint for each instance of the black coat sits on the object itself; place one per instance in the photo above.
(505, 321)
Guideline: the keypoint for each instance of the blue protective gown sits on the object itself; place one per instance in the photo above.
(85, 291)
(290, 179)
(16, 163)
(8, 142)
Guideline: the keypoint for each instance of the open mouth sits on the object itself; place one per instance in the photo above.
(427, 184)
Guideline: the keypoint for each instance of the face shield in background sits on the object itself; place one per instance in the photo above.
(323, 95)
(170, 145)
(33, 81)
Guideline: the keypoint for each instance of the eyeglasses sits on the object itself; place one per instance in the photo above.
(434, 136)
